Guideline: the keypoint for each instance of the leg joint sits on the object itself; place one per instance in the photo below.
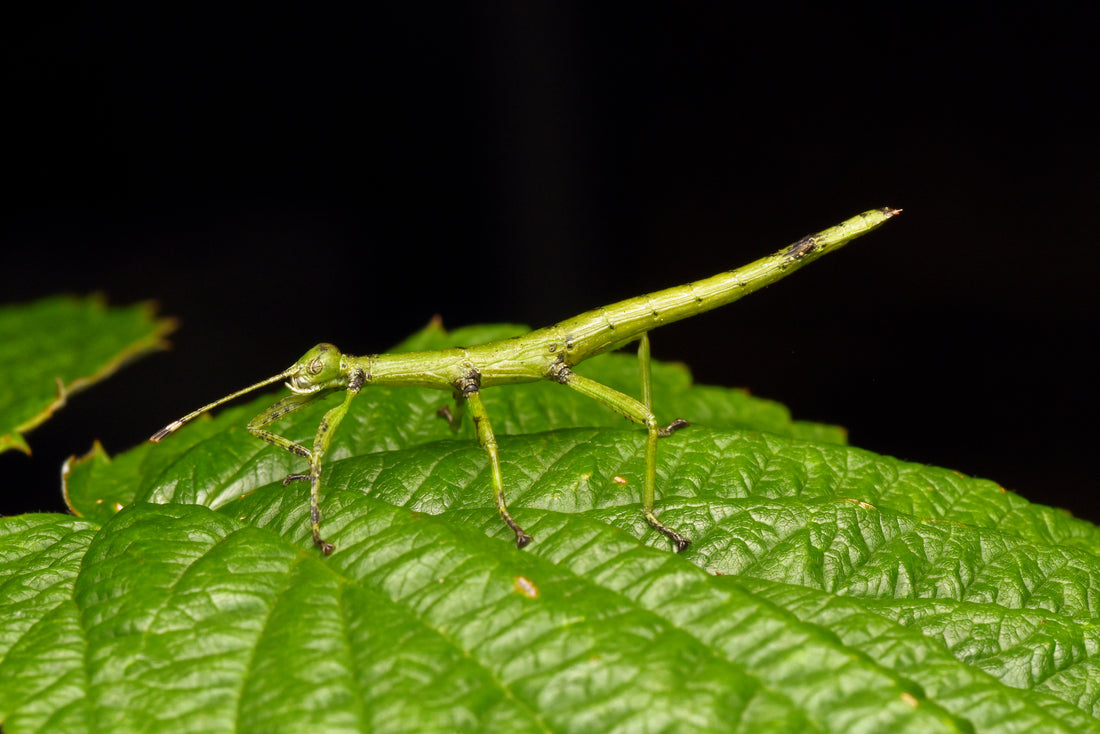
(357, 380)
(560, 372)
(469, 383)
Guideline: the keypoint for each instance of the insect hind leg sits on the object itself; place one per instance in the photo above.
(638, 412)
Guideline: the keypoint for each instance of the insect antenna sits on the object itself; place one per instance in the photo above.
(174, 425)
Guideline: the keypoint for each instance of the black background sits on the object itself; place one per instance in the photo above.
(278, 175)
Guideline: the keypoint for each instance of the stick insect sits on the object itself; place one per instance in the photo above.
(546, 354)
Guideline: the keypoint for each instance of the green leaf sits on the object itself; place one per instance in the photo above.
(54, 347)
(827, 588)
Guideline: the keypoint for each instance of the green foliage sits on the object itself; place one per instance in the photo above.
(47, 355)
(827, 588)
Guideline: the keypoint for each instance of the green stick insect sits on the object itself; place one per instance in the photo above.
(546, 354)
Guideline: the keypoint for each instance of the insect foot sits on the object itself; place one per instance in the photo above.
(672, 427)
(680, 542)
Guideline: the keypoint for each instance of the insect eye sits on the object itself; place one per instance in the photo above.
(316, 366)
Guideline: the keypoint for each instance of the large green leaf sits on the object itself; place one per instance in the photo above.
(54, 347)
(827, 588)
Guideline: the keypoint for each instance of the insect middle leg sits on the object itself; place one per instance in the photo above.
(454, 418)
(471, 393)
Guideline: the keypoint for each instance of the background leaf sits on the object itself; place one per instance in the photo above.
(827, 588)
(53, 347)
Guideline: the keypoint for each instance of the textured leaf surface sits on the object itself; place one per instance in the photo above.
(827, 588)
(56, 346)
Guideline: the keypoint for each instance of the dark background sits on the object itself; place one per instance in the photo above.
(280, 175)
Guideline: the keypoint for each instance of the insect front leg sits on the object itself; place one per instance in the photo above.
(282, 408)
(325, 431)
(471, 390)
(630, 408)
(275, 412)
(321, 442)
